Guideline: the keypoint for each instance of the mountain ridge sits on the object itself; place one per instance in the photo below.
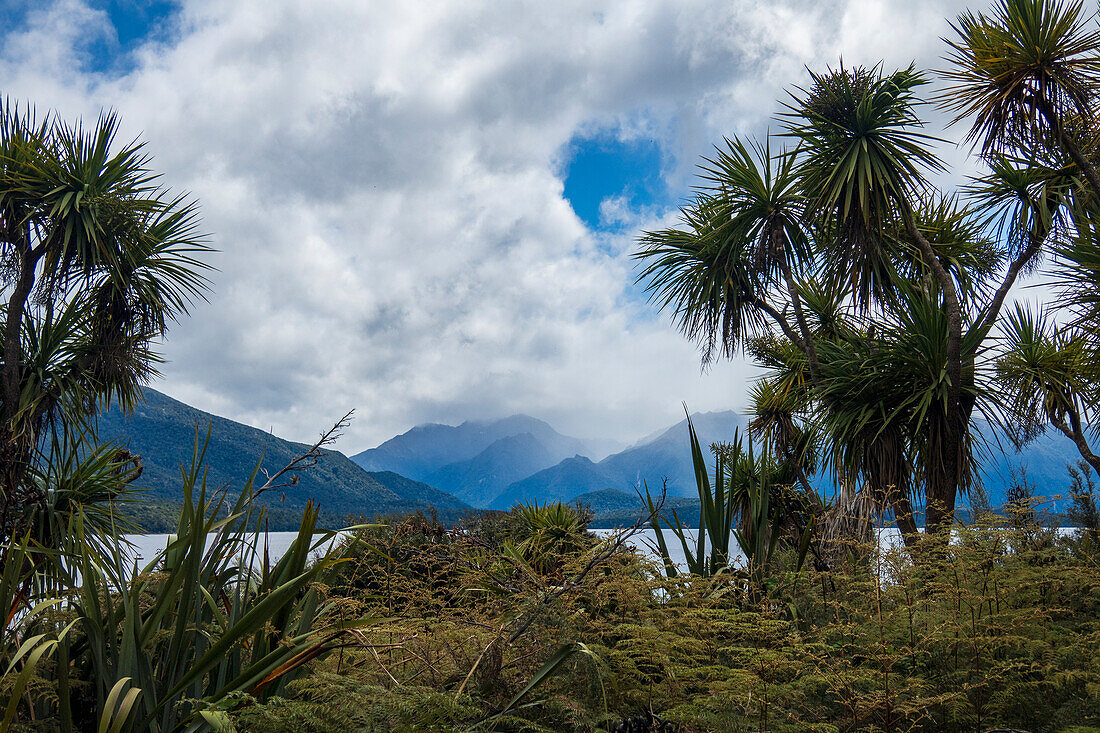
(666, 456)
(476, 460)
(498, 469)
(165, 433)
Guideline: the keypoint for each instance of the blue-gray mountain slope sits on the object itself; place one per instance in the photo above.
(667, 455)
(477, 460)
(493, 469)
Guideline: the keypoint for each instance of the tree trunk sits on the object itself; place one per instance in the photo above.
(943, 472)
(807, 342)
(15, 443)
(1075, 432)
(903, 517)
(13, 358)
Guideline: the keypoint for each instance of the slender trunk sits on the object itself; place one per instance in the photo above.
(13, 361)
(950, 302)
(807, 342)
(994, 308)
(14, 445)
(1075, 432)
(903, 516)
(777, 317)
(1080, 160)
(944, 470)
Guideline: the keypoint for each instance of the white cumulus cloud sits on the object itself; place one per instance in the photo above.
(383, 183)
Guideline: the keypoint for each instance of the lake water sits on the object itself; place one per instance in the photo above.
(146, 546)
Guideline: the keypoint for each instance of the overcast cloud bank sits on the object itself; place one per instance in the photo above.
(384, 184)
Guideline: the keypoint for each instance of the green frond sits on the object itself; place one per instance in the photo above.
(1022, 71)
(743, 229)
(1021, 201)
(861, 161)
(1045, 372)
(705, 281)
(961, 243)
(1077, 275)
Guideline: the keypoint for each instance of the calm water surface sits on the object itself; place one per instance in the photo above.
(147, 545)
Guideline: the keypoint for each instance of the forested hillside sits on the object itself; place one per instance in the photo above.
(164, 431)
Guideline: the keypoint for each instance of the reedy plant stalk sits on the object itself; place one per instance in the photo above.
(737, 507)
(171, 645)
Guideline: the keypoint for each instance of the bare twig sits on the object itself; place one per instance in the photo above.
(304, 461)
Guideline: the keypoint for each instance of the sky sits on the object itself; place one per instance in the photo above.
(425, 211)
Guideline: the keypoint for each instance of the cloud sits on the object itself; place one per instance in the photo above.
(383, 182)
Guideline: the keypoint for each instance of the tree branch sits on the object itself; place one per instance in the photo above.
(806, 343)
(306, 460)
(779, 319)
(994, 308)
(1075, 433)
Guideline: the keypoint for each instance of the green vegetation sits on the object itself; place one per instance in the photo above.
(751, 503)
(873, 299)
(874, 302)
(407, 625)
(162, 647)
(983, 638)
(98, 261)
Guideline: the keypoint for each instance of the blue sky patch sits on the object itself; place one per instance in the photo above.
(134, 21)
(603, 167)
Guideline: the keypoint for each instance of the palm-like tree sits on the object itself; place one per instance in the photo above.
(99, 260)
(744, 236)
(887, 360)
(1026, 76)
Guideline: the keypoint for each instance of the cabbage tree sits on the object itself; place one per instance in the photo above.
(870, 294)
(98, 259)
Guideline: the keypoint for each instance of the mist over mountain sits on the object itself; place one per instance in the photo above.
(493, 469)
(609, 485)
(477, 460)
(667, 454)
(487, 464)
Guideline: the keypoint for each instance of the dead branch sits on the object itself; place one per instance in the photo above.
(304, 461)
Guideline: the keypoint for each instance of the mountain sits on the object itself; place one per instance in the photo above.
(477, 460)
(485, 464)
(490, 471)
(1043, 461)
(669, 454)
(163, 432)
(611, 508)
(608, 500)
(666, 455)
(568, 479)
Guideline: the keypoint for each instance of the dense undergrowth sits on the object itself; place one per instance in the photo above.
(996, 630)
(526, 621)
(872, 300)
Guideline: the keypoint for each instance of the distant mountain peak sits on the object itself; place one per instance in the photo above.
(469, 458)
